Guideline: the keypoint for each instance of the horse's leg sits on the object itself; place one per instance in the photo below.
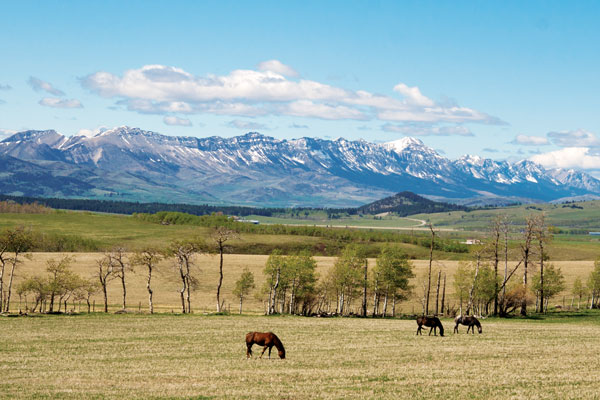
(263, 352)
(456, 328)
(469, 327)
(270, 348)
(431, 329)
(248, 350)
(418, 329)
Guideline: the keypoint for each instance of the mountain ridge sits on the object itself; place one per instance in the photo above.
(254, 169)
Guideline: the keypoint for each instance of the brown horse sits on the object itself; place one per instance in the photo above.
(266, 339)
(470, 321)
(432, 322)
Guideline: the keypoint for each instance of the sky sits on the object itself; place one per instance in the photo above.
(505, 80)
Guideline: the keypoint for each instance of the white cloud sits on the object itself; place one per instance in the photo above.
(530, 140)
(569, 157)
(4, 133)
(40, 85)
(246, 125)
(5, 87)
(298, 126)
(273, 89)
(91, 132)
(171, 120)
(576, 138)
(278, 67)
(413, 95)
(60, 103)
(428, 130)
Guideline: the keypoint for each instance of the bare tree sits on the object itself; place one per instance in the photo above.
(429, 270)
(365, 286)
(244, 285)
(543, 236)
(105, 274)
(220, 236)
(497, 227)
(437, 296)
(184, 252)
(149, 258)
(120, 265)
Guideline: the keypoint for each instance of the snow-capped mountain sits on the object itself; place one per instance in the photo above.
(133, 164)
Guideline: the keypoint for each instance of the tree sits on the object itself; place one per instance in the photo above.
(578, 291)
(526, 251)
(220, 236)
(553, 284)
(18, 241)
(87, 290)
(593, 283)
(61, 279)
(120, 266)
(105, 274)
(346, 275)
(300, 274)
(543, 236)
(149, 258)
(272, 271)
(38, 286)
(463, 279)
(393, 271)
(184, 252)
(429, 270)
(244, 285)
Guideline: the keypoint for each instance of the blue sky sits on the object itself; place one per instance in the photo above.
(504, 80)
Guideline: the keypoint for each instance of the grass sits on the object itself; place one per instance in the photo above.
(198, 357)
(166, 283)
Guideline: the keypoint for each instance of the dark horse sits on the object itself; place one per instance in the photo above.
(266, 339)
(432, 322)
(470, 321)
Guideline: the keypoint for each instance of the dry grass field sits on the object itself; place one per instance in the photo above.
(203, 357)
(166, 284)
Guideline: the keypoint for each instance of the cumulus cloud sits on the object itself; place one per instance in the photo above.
(273, 89)
(246, 125)
(171, 120)
(60, 103)
(576, 138)
(5, 87)
(40, 85)
(569, 157)
(278, 67)
(530, 140)
(428, 130)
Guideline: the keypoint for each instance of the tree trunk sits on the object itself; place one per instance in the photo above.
(364, 301)
(10, 281)
(105, 297)
(150, 305)
(444, 293)
(220, 276)
(437, 295)
(470, 305)
(385, 304)
(2, 285)
(241, 300)
(376, 295)
(524, 300)
(429, 271)
(272, 309)
(541, 271)
(394, 306)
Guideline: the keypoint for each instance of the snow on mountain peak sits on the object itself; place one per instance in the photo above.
(403, 143)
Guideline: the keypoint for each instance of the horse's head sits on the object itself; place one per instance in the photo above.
(479, 327)
(281, 353)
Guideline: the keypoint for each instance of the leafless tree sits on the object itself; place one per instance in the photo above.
(184, 252)
(429, 270)
(105, 274)
(220, 236)
(526, 251)
(149, 258)
(19, 242)
(121, 266)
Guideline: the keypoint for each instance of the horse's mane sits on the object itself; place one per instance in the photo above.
(278, 343)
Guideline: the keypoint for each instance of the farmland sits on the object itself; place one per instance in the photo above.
(171, 356)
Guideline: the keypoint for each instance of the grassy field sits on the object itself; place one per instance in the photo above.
(166, 283)
(197, 357)
(361, 221)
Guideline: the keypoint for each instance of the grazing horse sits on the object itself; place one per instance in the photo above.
(266, 339)
(432, 322)
(470, 321)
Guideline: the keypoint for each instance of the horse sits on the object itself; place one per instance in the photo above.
(266, 339)
(470, 321)
(432, 322)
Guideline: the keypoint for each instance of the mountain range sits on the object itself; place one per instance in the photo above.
(253, 169)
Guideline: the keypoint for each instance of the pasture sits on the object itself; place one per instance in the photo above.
(203, 357)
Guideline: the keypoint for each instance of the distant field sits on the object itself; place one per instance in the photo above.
(195, 357)
(166, 284)
(369, 221)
